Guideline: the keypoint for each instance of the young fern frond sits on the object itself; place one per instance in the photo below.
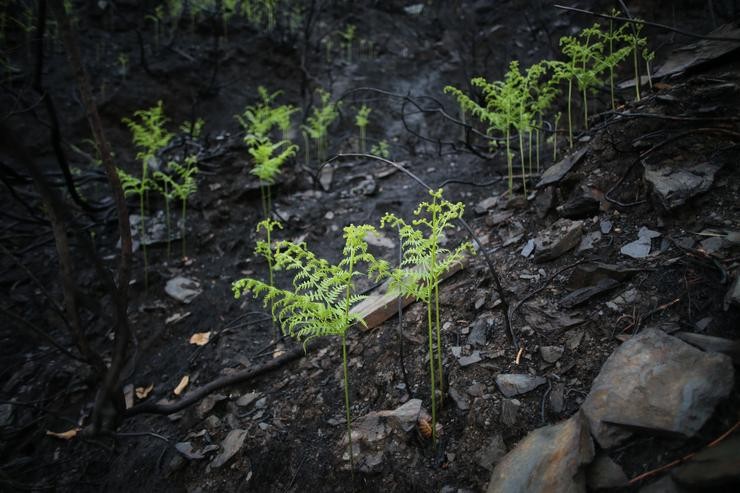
(423, 263)
(319, 304)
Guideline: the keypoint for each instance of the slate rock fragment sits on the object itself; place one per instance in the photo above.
(656, 382)
(549, 459)
(561, 236)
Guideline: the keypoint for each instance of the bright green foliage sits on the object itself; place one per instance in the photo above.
(322, 295)
(632, 37)
(317, 124)
(361, 120)
(264, 247)
(611, 39)
(149, 132)
(381, 149)
(178, 184)
(422, 266)
(258, 122)
(543, 94)
(348, 35)
(504, 108)
(151, 136)
(193, 128)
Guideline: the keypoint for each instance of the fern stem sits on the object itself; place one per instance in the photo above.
(440, 370)
(182, 228)
(637, 69)
(431, 371)
(143, 238)
(346, 404)
(585, 109)
(167, 218)
(521, 153)
(509, 162)
(570, 117)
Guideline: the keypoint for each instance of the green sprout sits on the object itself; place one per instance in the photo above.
(422, 266)
(123, 61)
(149, 134)
(648, 56)
(381, 149)
(267, 165)
(361, 120)
(348, 35)
(264, 248)
(156, 19)
(323, 294)
(636, 42)
(180, 187)
(317, 124)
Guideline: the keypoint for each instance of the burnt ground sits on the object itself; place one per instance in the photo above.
(294, 429)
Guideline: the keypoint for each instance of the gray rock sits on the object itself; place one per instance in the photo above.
(582, 295)
(549, 459)
(511, 384)
(674, 185)
(639, 248)
(732, 297)
(186, 450)
(604, 473)
(207, 404)
(247, 399)
(509, 411)
(496, 218)
(528, 248)
(561, 236)
(551, 353)
(589, 274)
(588, 240)
(556, 172)
(489, 456)
(461, 400)
(712, 467)
(605, 226)
(573, 339)
(379, 432)
(485, 205)
(182, 289)
(656, 382)
(479, 331)
(557, 398)
(712, 344)
(473, 358)
(229, 447)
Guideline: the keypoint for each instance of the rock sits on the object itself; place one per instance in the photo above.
(557, 398)
(582, 295)
(212, 422)
(511, 384)
(712, 344)
(485, 205)
(479, 331)
(492, 453)
(588, 240)
(640, 248)
(379, 432)
(561, 236)
(712, 467)
(326, 176)
(183, 289)
(589, 274)
(656, 382)
(509, 411)
(549, 459)
(475, 357)
(247, 399)
(515, 202)
(580, 206)
(573, 339)
(605, 226)
(414, 9)
(543, 202)
(732, 297)
(6, 415)
(551, 353)
(604, 473)
(186, 450)
(496, 218)
(207, 403)
(377, 238)
(461, 400)
(528, 248)
(229, 447)
(556, 172)
(674, 185)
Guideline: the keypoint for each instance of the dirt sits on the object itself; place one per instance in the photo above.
(293, 435)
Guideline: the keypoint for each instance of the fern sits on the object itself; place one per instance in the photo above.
(322, 295)
(317, 124)
(362, 120)
(423, 263)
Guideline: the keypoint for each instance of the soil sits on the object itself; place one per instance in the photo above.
(294, 429)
